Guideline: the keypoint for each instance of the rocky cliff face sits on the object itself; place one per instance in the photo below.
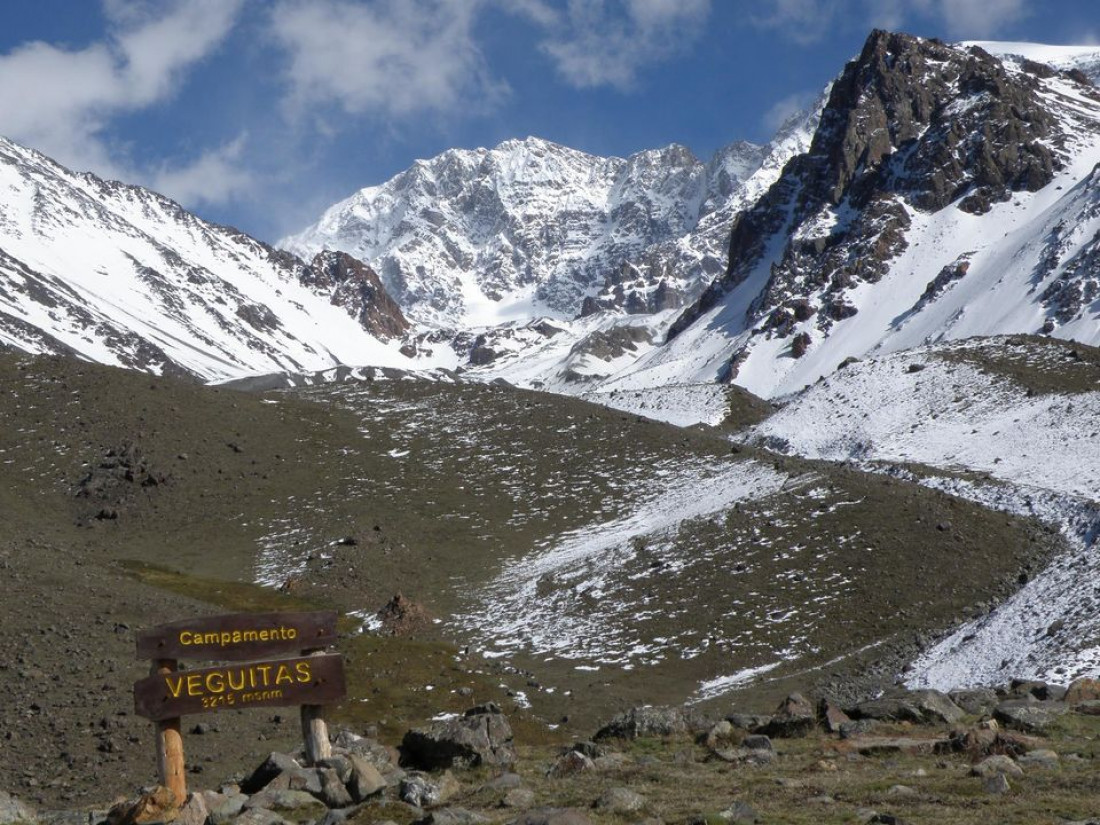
(911, 124)
(531, 227)
(353, 285)
(926, 159)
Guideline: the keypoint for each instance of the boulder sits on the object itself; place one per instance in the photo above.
(1038, 689)
(365, 780)
(794, 717)
(757, 742)
(333, 792)
(998, 763)
(923, 707)
(221, 808)
(858, 727)
(521, 798)
(424, 791)
(275, 764)
(1041, 758)
(193, 811)
(260, 816)
(975, 701)
(1029, 717)
(156, 805)
(1082, 690)
(722, 737)
(644, 721)
(14, 811)
(749, 721)
(481, 737)
(569, 764)
(620, 801)
(340, 764)
(832, 717)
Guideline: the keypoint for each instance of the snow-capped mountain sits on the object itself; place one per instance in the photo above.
(475, 237)
(946, 194)
(121, 275)
(547, 266)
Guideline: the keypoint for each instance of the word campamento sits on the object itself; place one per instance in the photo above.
(259, 677)
(225, 638)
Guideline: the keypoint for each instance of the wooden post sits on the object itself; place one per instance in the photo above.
(314, 727)
(315, 734)
(170, 765)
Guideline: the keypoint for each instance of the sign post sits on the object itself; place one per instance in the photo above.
(170, 764)
(169, 693)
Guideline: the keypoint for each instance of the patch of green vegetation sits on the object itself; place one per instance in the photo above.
(1038, 365)
(236, 597)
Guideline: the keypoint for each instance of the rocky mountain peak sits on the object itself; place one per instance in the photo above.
(910, 124)
(530, 227)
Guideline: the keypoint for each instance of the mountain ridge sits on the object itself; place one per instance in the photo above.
(122, 275)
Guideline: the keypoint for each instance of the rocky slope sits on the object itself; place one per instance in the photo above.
(530, 227)
(945, 194)
(120, 275)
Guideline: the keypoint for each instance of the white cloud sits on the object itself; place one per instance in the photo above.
(60, 101)
(803, 21)
(607, 42)
(979, 18)
(783, 110)
(390, 58)
(216, 176)
(807, 21)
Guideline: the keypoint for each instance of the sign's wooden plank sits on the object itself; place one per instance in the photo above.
(305, 680)
(238, 636)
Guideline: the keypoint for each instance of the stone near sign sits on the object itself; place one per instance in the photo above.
(308, 680)
(169, 693)
(239, 636)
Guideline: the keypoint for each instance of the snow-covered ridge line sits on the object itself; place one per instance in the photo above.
(124, 276)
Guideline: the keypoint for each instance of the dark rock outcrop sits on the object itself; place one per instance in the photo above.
(356, 287)
(911, 124)
(481, 737)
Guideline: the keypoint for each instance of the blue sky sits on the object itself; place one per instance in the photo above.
(260, 113)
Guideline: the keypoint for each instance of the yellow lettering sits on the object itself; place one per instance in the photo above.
(283, 675)
(215, 682)
(236, 685)
(185, 637)
(194, 685)
(226, 638)
(265, 670)
(174, 689)
(292, 633)
(251, 636)
(236, 636)
(303, 672)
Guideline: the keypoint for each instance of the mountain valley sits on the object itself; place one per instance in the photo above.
(602, 433)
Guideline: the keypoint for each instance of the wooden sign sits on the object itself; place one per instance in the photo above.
(239, 636)
(306, 680)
